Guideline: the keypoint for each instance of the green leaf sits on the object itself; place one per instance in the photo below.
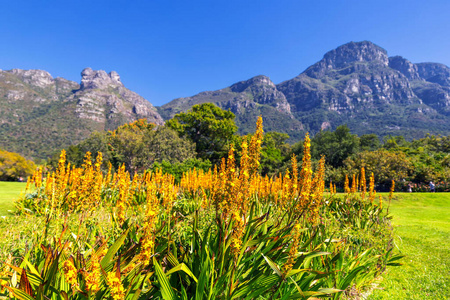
(184, 268)
(394, 264)
(106, 260)
(21, 295)
(166, 290)
(349, 278)
(272, 265)
(309, 257)
(172, 259)
(31, 267)
(51, 273)
(295, 272)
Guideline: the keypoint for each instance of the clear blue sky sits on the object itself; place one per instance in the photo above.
(169, 49)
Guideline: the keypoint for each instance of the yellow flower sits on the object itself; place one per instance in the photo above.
(93, 275)
(115, 286)
(3, 284)
(70, 273)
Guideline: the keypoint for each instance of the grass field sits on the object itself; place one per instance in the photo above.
(422, 226)
(9, 191)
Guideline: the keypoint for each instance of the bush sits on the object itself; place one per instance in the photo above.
(13, 166)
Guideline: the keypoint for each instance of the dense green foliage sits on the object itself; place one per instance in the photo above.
(209, 127)
(274, 153)
(138, 145)
(415, 162)
(335, 145)
(177, 169)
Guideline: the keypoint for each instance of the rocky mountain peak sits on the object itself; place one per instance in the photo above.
(356, 52)
(37, 78)
(347, 55)
(104, 99)
(257, 81)
(405, 67)
(91, 79)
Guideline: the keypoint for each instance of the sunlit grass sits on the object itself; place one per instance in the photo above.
(422, 224)
(9, 191)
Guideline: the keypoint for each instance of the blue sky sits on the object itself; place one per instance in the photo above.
(169, 49)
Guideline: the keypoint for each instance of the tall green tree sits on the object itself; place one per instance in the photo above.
(274, 153)
(211, 128)
(139, 147)
(369, 142)
(335, 145)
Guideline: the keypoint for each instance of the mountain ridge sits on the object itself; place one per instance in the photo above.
(40, 114)
(356, 84)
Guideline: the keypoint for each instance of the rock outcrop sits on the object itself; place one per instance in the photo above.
(40, 114)
(434, 72)
(405, 67)
(103, 98)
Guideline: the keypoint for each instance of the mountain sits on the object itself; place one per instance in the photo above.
(356, 84)
(247, 100)
(40, 114)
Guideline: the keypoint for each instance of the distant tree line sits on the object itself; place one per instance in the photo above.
(201, 136)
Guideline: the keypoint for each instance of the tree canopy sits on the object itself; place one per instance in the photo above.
(335, 145)
(137, 145)
(211, 128)
(14, 166)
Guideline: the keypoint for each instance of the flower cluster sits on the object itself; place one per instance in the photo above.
(93, 275)
(70, 274)
(115, 286)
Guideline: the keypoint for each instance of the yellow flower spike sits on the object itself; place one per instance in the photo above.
(362, 183)
(346, 185)
(391, 192)
(296, 233)
(372, 188)
(305, 178)
(70, 274)
(115, 286)
(93, 275)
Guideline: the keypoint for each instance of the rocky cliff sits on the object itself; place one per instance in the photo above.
(40, 114)
(104, 99)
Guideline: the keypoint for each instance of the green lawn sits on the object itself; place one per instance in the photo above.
(422, 224)
(9, 191)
